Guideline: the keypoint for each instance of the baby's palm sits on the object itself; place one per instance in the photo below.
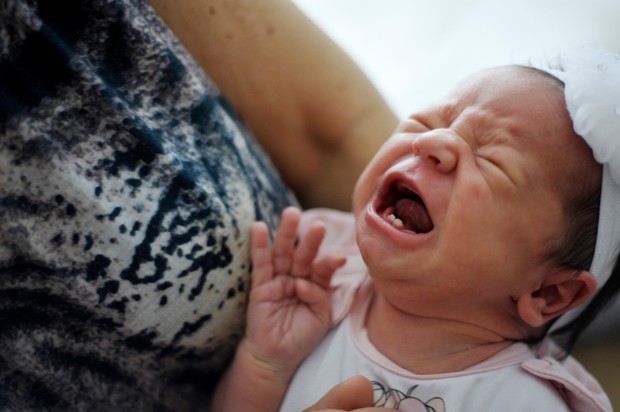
(289, 304)
(284, 325)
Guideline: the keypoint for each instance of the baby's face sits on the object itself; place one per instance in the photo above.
(463, 200)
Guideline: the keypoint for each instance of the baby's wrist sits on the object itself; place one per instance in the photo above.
(258, 362)
(267, 381)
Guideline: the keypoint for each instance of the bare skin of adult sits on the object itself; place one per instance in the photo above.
(295, 88)
(354, 394)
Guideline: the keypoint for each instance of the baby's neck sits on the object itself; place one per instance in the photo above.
(426, 345)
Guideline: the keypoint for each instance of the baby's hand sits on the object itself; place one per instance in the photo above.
(289, 309)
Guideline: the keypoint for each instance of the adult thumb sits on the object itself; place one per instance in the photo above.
(354, 393)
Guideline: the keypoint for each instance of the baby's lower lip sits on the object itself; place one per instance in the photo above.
(386, 220)
(390, 226)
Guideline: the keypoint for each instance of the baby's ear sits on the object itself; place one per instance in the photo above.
(559, 293)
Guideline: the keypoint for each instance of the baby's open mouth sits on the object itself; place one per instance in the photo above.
(404, 209)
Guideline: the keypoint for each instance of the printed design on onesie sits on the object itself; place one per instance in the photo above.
(387, 397)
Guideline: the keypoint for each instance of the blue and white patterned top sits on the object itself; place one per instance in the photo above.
(127, 187)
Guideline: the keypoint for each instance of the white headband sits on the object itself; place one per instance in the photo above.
(592, 91)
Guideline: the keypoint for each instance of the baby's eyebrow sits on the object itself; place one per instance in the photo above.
(441, 114)
(450, 110)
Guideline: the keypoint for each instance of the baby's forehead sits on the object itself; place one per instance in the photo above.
(509, 84)
(502, 93)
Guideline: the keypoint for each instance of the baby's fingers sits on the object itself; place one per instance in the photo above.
(324, 269)
(284, 243)
(307, 250)
(262, 268)
(313, 291)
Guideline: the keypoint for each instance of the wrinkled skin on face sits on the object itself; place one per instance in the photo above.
(459, 205)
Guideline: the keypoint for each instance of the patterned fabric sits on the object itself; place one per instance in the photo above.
(127, 187)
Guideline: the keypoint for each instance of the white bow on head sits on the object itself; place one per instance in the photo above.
(592, 90)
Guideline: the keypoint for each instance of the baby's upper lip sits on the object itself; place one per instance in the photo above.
(400, 181)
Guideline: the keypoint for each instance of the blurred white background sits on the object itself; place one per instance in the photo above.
(416, 50)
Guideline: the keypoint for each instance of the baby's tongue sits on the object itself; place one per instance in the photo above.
(413, 214)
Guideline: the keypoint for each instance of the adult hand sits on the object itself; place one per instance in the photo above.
(353, 395)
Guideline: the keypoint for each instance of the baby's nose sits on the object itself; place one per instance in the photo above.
(439, 148)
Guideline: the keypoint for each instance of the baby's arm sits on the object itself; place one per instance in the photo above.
(288, 315)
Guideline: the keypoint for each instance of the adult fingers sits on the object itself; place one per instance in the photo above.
(354, 393)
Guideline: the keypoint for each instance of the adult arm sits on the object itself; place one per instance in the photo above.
(310, 106)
